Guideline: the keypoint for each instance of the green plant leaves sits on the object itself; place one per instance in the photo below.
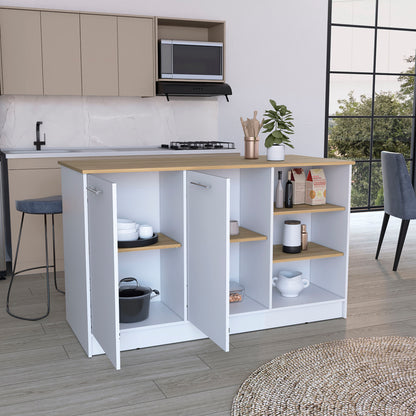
(278, 122)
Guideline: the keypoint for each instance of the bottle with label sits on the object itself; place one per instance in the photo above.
(289, 192)
(279, 191)
(304, 237)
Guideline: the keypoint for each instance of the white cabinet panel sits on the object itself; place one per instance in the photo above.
(102, 215)
(208, 255)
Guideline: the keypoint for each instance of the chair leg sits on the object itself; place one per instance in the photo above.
(382, 232)
(402, 236)
(14, 273)
(54, 256)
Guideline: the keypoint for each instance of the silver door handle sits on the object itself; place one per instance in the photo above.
(94, 190)
(200, 184)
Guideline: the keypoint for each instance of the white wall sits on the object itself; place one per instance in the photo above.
(274, 49)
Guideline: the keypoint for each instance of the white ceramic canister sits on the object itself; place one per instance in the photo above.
(292, 237)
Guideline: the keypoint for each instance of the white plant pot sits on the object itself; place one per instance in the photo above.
(276, 152)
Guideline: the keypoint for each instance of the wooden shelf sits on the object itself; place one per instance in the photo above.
(314, 251)
(163, 242)
(246, 235)
(304, 208)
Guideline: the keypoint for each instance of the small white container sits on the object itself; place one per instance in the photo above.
(146, 231)
(292, 237)
(127, 235)
(234, 227)
(126, 224)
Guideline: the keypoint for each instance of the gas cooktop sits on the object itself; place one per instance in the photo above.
(199, 145)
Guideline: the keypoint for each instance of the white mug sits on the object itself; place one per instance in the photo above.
(146, 231)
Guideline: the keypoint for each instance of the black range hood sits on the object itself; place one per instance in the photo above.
(192, 89)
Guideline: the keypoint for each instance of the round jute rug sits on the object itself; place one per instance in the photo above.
(362, 376)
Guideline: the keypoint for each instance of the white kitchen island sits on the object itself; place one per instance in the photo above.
(190, 200)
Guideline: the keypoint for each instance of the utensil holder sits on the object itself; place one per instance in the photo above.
(251, 148)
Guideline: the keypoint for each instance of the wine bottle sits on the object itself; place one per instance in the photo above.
(289, 192)
(279, 191)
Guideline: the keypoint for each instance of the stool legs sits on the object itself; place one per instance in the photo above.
(14, 273)
(54, 259)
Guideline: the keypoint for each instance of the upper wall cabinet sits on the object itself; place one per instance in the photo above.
(99, 55)
(61, 53)
(21, 52)
(136, 58)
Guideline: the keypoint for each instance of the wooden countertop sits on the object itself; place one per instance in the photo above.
(190, 162)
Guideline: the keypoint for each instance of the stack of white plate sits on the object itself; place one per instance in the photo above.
(127, 230)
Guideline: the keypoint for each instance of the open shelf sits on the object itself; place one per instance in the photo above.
(310, 295)
(163, 242)
(246, 305)
(304, 208)
(246, 235)
(159, 314)
(314, 251)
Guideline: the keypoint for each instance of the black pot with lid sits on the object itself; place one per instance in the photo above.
(134, 301)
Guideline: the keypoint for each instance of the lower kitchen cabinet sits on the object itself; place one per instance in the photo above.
(196, 259)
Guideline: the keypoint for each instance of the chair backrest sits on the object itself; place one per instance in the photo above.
(399, 195)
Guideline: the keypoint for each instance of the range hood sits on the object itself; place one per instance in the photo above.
(192, 89)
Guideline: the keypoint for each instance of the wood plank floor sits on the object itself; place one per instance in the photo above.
(44, 371)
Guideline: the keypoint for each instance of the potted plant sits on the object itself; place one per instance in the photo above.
(278, 123)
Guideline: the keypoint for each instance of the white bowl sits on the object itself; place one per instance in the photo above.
(127, 236)
(125, 224)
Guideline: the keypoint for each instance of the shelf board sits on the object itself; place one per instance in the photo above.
(305, 208)
(314, 251)
(310, 295)
(246, 235)
(247, 305)
(159, 314)
(163, 242)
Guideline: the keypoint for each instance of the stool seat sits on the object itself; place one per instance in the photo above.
(46, 205)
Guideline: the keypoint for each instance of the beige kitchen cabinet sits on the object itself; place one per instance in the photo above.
(21, 52)
(136, 58)
(34, 178)
(99, 55)
(61, 53)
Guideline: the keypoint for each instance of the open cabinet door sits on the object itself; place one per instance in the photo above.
(208, 222)
(102, 230)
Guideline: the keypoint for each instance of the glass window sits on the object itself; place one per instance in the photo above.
(360, 184)
(376, 198)
(397, 13)
(346, 90)
(355, 12)
(352, 49)
(396, 51)
(349, 138)
(394, 95)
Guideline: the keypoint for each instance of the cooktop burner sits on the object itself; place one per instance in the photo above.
(199, 145)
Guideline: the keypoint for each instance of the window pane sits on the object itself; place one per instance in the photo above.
(394, 95)
(397, 13)
(396, 51)
(349, 138)
(359, 188)
(376, 198)
(354, 12)
(346, 91)
(352, 49)
(393, 135)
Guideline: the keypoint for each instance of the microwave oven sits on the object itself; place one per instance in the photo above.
(180, 59)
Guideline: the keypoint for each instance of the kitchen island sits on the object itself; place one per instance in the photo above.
(189, 200)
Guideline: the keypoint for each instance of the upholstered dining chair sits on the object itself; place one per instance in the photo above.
(399, 198)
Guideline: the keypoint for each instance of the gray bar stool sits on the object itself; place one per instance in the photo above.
(50, 205)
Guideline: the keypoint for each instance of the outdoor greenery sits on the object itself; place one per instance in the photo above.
(349, 136)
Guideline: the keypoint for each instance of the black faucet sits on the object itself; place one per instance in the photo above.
(38, 143)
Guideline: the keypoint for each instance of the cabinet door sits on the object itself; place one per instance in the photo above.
(21, 52)
(99, 55)
(136, 56)
(208, 255)
(61, 53)
(102, 230)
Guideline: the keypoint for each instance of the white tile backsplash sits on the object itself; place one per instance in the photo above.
(106, 121)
